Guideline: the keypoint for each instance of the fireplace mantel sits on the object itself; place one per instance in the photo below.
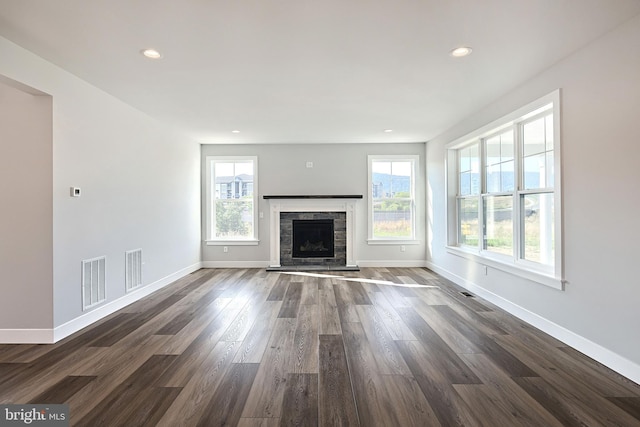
(311, 203)
(313, 196)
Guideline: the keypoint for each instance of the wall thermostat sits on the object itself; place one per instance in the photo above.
(75, 192)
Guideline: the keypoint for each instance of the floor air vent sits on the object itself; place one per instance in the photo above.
(93, 282)
(466, 294)
(133, 269)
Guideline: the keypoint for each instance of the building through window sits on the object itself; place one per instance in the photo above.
(231, 198)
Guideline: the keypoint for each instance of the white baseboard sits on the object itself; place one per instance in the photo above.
(265, 264)
(612, 360)
(405, 263)
(87, 319)
(50, 336)
(235, 264)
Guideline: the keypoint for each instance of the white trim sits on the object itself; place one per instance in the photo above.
(417, 263)
(91, 317)
(235, 264)
(508, 120)
(415, 167)
(392, 242)
(612, 360)
(310, 205)
(248, 242)
(515, 269)
(551, 275)
(210, 188)
(404, 263)
(51, 336)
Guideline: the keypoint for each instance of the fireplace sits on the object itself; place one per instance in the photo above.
(312, 238)
(338, 210)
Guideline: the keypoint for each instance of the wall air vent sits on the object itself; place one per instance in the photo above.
(133, 269)
(94, 289)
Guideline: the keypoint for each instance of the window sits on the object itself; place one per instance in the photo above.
(499, 178)
(504, 193)
(392, 207)
(231, 200)
(468, 191)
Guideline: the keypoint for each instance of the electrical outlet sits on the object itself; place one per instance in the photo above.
(403, 248)
(225, 249)
(309, 164)
(486, 270)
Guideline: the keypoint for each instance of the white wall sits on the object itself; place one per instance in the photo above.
(337, 169)
(140, 188)
(598, 312)
(26, 224)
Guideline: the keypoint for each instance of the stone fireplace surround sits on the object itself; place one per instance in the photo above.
(339, 239)
(303, 205)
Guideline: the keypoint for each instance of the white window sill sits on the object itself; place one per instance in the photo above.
(248, 242)
(517, 270)
(392, 242)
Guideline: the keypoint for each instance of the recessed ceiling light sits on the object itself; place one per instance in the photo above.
(388, 130)
(151, 53)
(235, 131)
(459, 52)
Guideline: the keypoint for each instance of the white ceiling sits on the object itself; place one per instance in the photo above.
(308, 70)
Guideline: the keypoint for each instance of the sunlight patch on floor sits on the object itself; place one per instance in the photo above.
(359, 279)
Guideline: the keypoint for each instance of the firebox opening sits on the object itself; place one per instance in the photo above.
(313, 238)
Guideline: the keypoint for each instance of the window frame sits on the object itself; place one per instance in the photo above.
(414, 159)
(210, 213)
(472, 195)
(550, 275)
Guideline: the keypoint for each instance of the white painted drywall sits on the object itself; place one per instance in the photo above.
(140, 185)
(337, 169)
(600, 103)
(26, 207)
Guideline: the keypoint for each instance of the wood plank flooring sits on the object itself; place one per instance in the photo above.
(378, 347)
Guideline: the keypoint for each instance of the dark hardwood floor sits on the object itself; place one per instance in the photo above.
(379, 347)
